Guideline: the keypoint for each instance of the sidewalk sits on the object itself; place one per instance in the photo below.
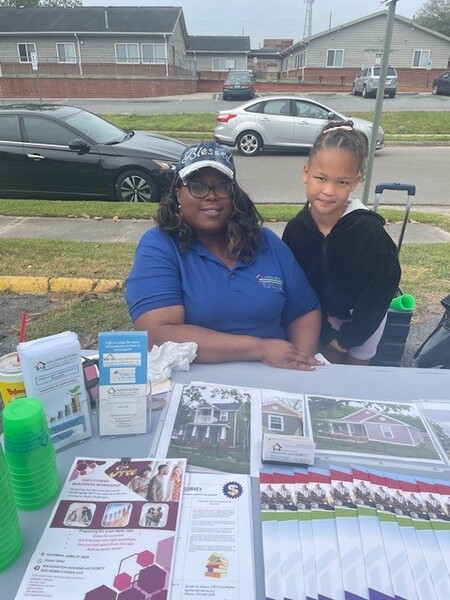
(110, 230)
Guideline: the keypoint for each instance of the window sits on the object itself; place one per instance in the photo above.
(310, 111)
(25, 51)
(127, 53)
(223, 415)
(421, 58)
(335, 58)
(153, 53)
(44, 131)
(275, 423)
(387, 431)
(276, 107)
(229, 64)
(9, 129)
(66, 52)
(300, 60)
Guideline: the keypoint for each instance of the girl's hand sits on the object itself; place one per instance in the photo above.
(335, 345)
(279, 353)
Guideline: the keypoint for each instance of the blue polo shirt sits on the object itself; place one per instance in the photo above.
(259, 297)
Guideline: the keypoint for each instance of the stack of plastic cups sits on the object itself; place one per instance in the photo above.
(10, 535)
(30, 454)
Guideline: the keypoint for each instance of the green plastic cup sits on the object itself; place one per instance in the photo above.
(11, 536)
(36, 501)
(405, 302)
(30, 454)
(25, 471)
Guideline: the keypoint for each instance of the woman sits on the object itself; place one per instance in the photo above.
(212, 275)
(173, 491)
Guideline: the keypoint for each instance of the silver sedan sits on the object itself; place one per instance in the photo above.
(280, 122)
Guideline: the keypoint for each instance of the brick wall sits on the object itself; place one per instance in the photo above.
(114, 87)
(48, 87)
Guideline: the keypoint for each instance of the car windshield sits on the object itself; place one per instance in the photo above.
(391, 71)
(96, 128)
(238, 77)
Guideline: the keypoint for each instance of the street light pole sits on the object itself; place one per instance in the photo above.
(380, 96)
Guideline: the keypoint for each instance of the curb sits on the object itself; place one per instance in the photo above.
(60, 285)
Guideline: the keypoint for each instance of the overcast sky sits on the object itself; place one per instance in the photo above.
(261, 19)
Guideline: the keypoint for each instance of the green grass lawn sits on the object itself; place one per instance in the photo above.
(433, 126)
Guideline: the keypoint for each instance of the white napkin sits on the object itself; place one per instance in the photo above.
(163, 359)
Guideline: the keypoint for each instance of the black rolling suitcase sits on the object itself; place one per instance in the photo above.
(392, 344)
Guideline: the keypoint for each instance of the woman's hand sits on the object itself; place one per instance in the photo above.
(335, 345)
(279, 353)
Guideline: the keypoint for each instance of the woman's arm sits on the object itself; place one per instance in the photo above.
(164, 324)
(304, 332)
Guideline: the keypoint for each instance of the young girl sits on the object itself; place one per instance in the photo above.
(343, 248)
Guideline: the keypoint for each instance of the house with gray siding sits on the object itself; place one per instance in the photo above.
(87, 36)
(340, 52)
(94, 42)
(216, 55)
(277, 417)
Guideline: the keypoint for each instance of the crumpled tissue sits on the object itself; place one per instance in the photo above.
(162, 360)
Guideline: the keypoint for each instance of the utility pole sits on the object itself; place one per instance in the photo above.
(307, 30)
(380, 94)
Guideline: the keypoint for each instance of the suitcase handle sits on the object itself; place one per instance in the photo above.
(407, 187)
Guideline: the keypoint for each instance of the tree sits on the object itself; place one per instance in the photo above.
(435, 14)
(40, 3)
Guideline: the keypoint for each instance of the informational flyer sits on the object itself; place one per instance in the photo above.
(372, 431)
(111, 534)
(214, 559)
(348, 533)
(52, 372)
(122, 408)
(216, 427)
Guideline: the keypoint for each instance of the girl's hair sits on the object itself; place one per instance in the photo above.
(242, 229)
(341, 135)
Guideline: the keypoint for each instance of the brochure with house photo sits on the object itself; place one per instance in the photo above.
(216, 427)
(370, 429)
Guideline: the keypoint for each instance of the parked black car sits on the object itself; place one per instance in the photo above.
(441, 83)
(56, 151)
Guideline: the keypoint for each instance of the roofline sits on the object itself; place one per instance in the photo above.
(181, 20)
(305, 41)
(189, 50)
(71, 32)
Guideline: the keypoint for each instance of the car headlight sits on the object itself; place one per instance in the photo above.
(166, 166)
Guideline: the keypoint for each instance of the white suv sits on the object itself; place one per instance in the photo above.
(367, 81)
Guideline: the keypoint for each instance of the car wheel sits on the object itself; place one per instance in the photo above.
(364, 92)
(435, 90)
(392, 94)
(224, 96)
(136, 186)
(249, 143)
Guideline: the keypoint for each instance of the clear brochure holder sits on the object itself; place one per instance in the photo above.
(124, 392)
(52, 371)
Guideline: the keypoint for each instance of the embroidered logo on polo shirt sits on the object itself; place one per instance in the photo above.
(270, 281)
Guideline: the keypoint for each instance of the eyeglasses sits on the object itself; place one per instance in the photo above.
(200, 190)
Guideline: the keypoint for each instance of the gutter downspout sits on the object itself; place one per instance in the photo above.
(79, 54)
(167, 54)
